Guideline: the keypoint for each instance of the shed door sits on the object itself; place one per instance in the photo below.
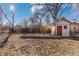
(59, 30)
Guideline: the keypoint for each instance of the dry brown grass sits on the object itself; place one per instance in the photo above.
(18, 46)
(3, 36)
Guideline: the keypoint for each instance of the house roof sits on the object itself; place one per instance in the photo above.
(64, 19)
(75, 23)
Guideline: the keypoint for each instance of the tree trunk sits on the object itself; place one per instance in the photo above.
(55, 23)
(40, 26)
(13, 23)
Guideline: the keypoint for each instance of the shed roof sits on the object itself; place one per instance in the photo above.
(64, 19)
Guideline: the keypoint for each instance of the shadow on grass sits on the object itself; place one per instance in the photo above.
(74, 38)
(43, 37)
(49, 37)
(4, 41)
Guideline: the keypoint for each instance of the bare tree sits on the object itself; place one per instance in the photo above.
(6, 39)
(55, 9)
(74, 23)
(1, 20)
(5, 16)
(47, 19)
(34, 20)
(25, 22)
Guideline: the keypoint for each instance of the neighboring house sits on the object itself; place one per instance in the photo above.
(62, 28)
(74, 27)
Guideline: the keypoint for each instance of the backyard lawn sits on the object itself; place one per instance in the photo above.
(17, 46)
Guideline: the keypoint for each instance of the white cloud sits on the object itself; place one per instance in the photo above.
(11, 7)
(36, 7)
(75, 10)
(75, 7)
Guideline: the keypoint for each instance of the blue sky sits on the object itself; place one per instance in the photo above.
(24, 10)
(21, 11)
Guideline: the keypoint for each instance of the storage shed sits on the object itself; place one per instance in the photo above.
(62, 28)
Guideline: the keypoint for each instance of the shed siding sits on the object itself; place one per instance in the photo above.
(65, 32)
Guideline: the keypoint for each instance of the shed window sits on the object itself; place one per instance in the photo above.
(65, 27)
